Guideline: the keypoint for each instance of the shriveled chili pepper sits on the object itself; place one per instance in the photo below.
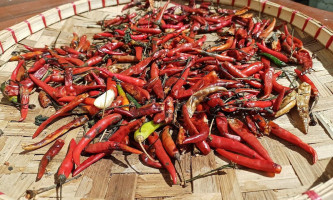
(61, 112)
(59, 132)
(48, 156)
(44, 99)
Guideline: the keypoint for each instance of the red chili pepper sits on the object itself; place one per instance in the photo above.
(276, 86)
(279, 55)
(304, 58)
(26, 56)
(168, 143)
(260, 121)
(222, 126)
(238, 127)
(61, 112)
(305, 78)
(91, 160)
(265, 33)
(233, 145)
(278, 101)
(127, 79)
(163, 156)
(18, 72)
(286, 135)
(251, 125)
(105, 147)
(53, 151)
(261, 165)
(236, 72)
(59, 132)
(75, 41)
(38, 64)
(253, 68)
(43, 99)
(203, 145)
(24, 94)
(91, 134)
(268, 82)
(203, 129)
(140, 94)
(67, 164)
(147, 161)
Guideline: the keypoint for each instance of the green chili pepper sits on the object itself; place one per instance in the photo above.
(143, 133)
(134, 101)
(274, 59)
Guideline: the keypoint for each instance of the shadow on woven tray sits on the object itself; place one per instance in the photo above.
(326, 175)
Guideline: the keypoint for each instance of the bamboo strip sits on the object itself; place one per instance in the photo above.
(51, 16)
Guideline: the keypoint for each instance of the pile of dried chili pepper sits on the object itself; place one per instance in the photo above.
(179, 91)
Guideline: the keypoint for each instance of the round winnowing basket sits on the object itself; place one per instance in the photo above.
(124, 177)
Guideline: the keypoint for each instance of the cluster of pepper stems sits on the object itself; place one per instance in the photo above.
(178, 90)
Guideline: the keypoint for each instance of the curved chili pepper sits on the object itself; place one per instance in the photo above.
(236, 72)
(203, 129)
(91, 134)
(203, 145)
(262, 165)
(92, 159)
(61, 112)
(238, 127)
(278, 101)
(268, 82)
(163, 156)
(59, 132)
(264, 34)
(306, 79)
(286, 135)
(18, 72)
(253, 68)
(67, 164)
(146, 161)
(276, 86)
(304, 58)
(48, 156)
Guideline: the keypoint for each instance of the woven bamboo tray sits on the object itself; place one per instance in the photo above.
(124, 177)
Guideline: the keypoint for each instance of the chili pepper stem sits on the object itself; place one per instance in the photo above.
(30, 194)
(209, 172)
(140, 140)
(183, 182)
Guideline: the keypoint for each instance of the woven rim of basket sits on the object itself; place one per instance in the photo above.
(16, 33)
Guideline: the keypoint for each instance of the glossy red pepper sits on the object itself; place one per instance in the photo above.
(238, 127)
(100, 126)
(163, 156)
(261, 165)
(286, 135)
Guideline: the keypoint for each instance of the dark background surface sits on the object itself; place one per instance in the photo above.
(15, 11)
